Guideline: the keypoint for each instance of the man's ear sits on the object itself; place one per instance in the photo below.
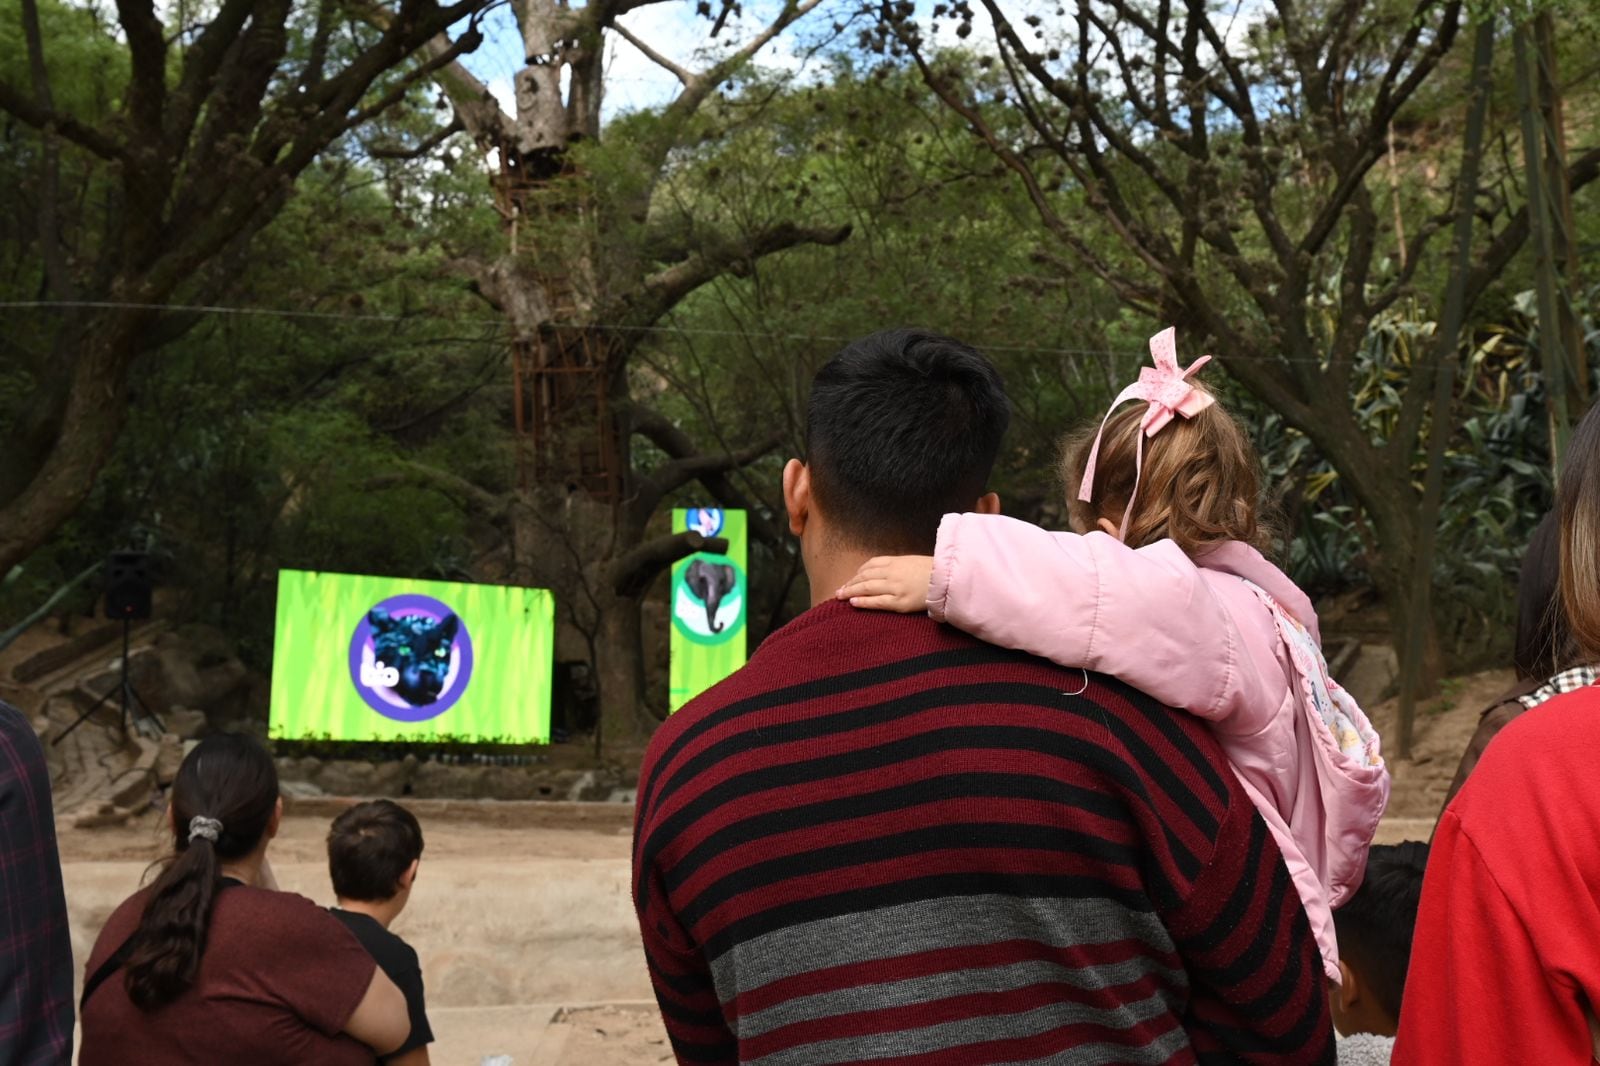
(797, 494)
(409, 876)
(988, 503)
(276, 819)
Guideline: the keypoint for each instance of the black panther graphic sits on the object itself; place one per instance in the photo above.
(418, 648)
(710, 582)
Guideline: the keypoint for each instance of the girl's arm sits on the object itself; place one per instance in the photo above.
(1148, 616)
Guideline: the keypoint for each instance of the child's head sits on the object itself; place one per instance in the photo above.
(1374, 928)
(1199, 484)
(373, 852)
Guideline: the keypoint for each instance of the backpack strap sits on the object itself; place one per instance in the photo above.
(119, 958)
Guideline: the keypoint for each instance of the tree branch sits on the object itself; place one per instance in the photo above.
(395, 151)
(631, 574)
(30, 113)
(684, 75)
(679, 472)
(474, 105)
(456, 489)
(1506, 244)
(664, 434)
(695, 92)
(662, 291)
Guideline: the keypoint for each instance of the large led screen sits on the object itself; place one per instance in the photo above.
(361, 658)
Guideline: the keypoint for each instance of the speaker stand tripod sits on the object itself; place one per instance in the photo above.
(125, 690)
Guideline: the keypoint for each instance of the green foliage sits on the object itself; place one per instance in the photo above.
(939, 239)
(277, 440)
(272, 440)
(1497, 481)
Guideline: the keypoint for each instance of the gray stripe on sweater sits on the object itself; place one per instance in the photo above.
(1004, 1027)
(928, 925)
(926, 989)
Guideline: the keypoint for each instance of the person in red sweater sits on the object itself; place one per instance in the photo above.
(1505, 964)
(885, 841)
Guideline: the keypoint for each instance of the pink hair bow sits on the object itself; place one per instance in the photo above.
(1168, 391)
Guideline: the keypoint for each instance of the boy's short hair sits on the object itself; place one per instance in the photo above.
(1375, 925)
(369, 847)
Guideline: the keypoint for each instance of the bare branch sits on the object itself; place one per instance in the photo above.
(457, 489)
(201, 61)
(30, 113)
(679, 472)
(664, 434)
(684, 75)
(632, 573)
(395, 151)
(701, 86)
(474, 105)
(662, 291)
(147, 49)
(1582, 171)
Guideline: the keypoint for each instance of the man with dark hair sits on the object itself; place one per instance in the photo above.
(374, 850)
(884, 839)
(1375, 927)
(35, 940)
(902, 428)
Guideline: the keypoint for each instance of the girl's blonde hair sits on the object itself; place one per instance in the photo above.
(1200, 485)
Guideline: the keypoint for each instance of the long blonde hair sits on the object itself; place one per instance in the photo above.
(1200, 484)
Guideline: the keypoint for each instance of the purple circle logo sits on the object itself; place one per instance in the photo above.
(411, 658)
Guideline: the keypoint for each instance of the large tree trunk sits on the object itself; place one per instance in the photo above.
(96, 407)
(623, 722)
(1391, 507)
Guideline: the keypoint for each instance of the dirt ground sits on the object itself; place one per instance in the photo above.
(522, 912)
(1443, 727)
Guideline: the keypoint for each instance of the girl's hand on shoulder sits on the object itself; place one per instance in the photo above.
(890, 583)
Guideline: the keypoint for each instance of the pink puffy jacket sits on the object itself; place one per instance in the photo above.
(1192, 635)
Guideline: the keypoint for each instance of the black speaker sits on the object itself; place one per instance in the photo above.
(128, 585)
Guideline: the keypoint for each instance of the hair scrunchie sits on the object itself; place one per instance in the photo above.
(201, 826)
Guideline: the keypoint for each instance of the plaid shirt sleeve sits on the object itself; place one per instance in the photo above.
(36, 1009)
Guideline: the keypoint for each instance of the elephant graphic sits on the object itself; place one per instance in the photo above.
(710, 582)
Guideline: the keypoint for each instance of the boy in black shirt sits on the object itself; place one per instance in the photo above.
(374, 849)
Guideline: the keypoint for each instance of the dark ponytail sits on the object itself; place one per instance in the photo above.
(231, 780)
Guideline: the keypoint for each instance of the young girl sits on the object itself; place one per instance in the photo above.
(1171, 595)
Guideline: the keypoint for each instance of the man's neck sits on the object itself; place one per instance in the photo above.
(829, 574)
(382, 911)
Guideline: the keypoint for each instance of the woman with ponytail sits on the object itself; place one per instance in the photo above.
(210, 965)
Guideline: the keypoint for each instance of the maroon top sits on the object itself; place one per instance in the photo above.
(279, 979)
(885, 841)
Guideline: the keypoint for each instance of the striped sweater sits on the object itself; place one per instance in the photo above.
(885, 841)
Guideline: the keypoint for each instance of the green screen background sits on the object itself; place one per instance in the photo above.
(696, 667)
(507, 698)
